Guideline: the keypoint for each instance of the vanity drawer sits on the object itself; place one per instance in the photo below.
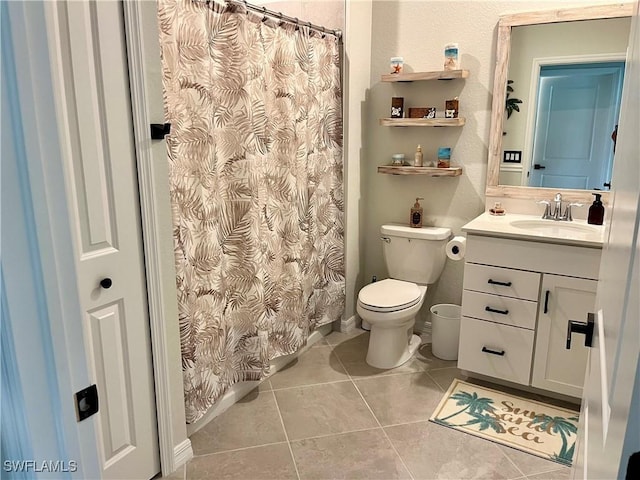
(501, 281)
(505, 310)
(496, 350)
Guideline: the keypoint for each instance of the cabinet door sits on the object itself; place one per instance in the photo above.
(554, 367)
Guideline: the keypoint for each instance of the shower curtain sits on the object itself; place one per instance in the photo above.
(255, 172)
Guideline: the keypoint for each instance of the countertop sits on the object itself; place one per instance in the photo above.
(533, 228)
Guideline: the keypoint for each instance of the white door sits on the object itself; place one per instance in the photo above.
(577, 112)
(609, 430)
(89, 66)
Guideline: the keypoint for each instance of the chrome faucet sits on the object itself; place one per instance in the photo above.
(547, 209)
(555, 212)
(557, 207)
(567, 212)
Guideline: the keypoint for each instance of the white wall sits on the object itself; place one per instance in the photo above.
(324, 13)
(418, 31)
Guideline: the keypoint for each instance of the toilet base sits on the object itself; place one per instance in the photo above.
(390, 348)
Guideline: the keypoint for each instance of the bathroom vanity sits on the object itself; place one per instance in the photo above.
(524, 279)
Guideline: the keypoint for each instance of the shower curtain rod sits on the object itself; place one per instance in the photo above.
(285, 18)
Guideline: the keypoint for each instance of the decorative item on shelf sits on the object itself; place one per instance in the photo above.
(451, 57)
(444, 157)
(397, 107)
(416, 214)
(417, 160)
(431, 112)
(418, 112)
(497, 209)
(397, 64)
(451, 108)
(397, 159)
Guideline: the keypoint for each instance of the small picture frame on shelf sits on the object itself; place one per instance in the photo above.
(451, 108)
(397, 107)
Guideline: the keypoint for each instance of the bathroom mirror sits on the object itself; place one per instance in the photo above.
(534, 69)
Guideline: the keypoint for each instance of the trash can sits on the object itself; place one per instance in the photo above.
(445, 330)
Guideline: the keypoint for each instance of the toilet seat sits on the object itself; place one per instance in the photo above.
(389, 295)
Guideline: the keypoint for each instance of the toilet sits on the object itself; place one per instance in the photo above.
(415, 258)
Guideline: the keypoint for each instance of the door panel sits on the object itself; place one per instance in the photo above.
(577, 111)
(555, 367)
(609, 427)
(111, 364)
(100, 168)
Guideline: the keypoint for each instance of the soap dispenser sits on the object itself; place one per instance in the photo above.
(416, 214)
(596, 211)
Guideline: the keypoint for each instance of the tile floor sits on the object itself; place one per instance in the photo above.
(331, 416)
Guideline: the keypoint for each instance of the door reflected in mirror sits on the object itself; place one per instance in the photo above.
(568, 76)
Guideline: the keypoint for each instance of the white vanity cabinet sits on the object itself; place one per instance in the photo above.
(517, 300)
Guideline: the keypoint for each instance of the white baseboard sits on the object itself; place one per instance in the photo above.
(348, 325)
(182, 453)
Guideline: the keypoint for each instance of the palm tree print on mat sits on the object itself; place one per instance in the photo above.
(481, 414)
(565, 427)
(472, 404)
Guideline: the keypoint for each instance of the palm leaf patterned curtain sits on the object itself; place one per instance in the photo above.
(255, 172)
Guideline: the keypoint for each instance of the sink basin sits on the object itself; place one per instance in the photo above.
(554, 228)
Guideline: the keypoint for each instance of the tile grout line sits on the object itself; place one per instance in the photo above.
(240, 449)
(286, 435)
(377, 421)
(510, 460)
(308, 385)
(437, 384)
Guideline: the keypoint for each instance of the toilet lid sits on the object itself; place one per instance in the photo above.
(389, 295)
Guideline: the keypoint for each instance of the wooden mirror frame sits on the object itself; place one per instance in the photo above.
(503, 49)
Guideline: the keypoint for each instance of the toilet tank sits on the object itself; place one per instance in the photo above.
(414, 254)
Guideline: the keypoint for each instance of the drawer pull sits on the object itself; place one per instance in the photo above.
(502, 284)
(493, 352)
(493, 310)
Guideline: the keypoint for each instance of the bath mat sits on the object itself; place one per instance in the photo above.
(544, 430)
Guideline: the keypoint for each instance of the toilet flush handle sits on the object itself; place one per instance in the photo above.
(385, 239)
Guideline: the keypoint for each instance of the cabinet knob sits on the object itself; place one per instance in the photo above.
(106, 283)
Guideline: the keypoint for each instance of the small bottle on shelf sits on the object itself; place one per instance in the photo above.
(417, 161)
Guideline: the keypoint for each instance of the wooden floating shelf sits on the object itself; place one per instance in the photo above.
(429, 171)
(422, 122)
(416, 76)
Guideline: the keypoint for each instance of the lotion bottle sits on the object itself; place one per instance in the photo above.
(417, 161)
(596, 211)
(416, 214)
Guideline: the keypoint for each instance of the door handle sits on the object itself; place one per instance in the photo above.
(546, 301)
(581, 327)
(537, 166)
